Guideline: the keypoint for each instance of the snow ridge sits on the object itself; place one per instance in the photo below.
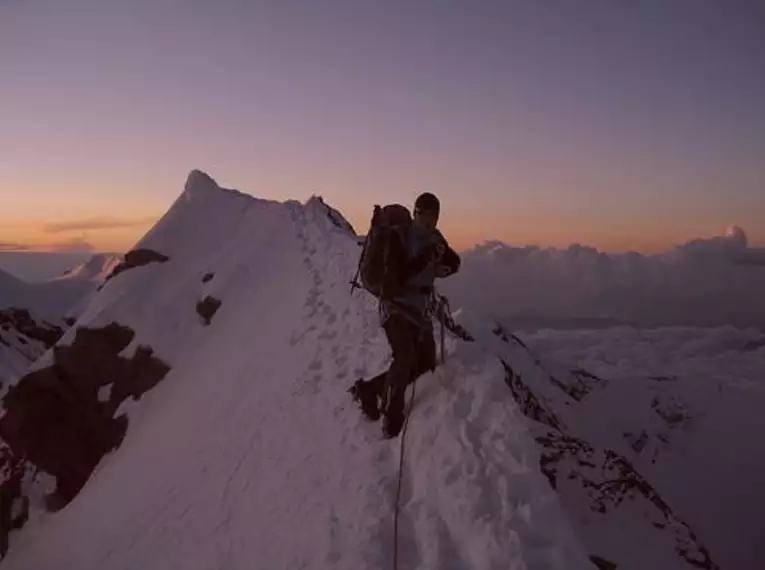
(249, 452)
(254, 411)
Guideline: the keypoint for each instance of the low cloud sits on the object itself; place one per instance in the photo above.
(96, 223)
(705, 282)
(734, 356)
(4, 246)
(76, 245)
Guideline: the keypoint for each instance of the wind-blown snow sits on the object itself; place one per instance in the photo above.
(250, 453)
(712, 282)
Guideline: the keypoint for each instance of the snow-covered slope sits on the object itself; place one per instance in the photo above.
(249, 452)
(668, 461)
(685, 407)
(23, 337)
(96, 268)
(22, 341)
(228, 339)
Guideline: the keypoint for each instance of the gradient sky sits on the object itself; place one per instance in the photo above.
(622, 125)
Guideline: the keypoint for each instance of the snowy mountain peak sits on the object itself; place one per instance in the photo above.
(199, 184)
(200, 187)
(318, 204)
(224, 366)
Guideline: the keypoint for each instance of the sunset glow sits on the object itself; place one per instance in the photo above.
(624, 127)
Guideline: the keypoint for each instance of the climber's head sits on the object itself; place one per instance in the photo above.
(426, 210)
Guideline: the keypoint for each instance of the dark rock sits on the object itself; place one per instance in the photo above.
(54, 419)
(10, 491)
(579, 384)
(501, 332)
(207, 277)
(136, 258)
(610, 480)
(673, 412)
(21, 321)
(336, 217)
(607, 478)
(530, 405)
(207, 307)
(602, 563)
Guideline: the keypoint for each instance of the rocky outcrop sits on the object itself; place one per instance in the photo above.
(593, 478)
(55, 421)
(336, 217)
(574, 465)
(22, 322)
(207, 307)
(136, 258)
(602, 563)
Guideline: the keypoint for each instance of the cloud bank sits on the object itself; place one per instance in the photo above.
(13, 246)
(97, 223)
(735, 357)
(74, 245)
(710, 282)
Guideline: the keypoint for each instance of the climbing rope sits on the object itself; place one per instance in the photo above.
(443, 313)
(400, 477)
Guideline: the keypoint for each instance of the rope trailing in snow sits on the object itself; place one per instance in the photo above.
(400, 477)
(443, 314)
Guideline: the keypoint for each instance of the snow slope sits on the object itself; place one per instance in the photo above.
(250, 454)
(22, 342)
(685, 405)
(681, 446)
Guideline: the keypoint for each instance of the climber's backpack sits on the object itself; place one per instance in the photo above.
(383, 262)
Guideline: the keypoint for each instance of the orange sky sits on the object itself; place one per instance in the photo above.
(463, 225)
(615, 127)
